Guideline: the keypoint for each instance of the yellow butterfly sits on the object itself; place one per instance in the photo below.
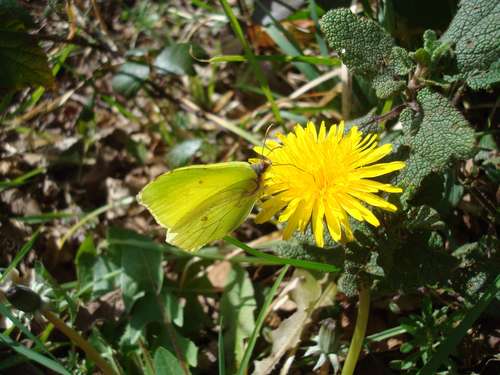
(202, 203)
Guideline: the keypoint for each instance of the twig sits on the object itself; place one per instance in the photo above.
(393, 113)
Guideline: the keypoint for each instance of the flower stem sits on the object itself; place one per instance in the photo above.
(79, 341)
(359, 332)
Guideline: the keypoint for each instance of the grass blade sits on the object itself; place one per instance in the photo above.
(21, 180)
(34, 356)
(220, 347)
(315, 266)
(260, 321)
(251, 59)
(458, 333)
(20, 255)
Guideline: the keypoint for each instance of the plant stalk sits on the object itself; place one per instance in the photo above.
(79, 341)
(359, 332)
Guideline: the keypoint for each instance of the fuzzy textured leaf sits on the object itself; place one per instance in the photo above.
(362, 44)
(443, 136)
(368, 50)
(475, 31)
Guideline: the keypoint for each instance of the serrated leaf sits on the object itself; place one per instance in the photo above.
(415, 263)
(140, 259)
(484, 79)
(475, 31)
(178, 59)
(363, 44)
(129, 78)
(22, 61)
(368, 50)
(237, 306)
(443, 136)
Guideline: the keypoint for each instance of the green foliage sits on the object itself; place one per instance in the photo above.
(363, 44)
(22, 61)
(148, 308)
(140, 259)
(368, 50)
(443, 136)
(426, 330)
(479, 262)
(183, 152)
(166, 363)
(475, 33)
(130, 78)
(179, 58)
(237, 307)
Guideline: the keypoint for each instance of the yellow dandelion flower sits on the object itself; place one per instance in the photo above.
(317, 177)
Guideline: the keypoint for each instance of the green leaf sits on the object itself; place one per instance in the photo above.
(20, 255)
(148, 309)
(178, 58)
(442, 136)
(32, 355)
(183, 152)
(453, 338)
(362, 43)
(85, 260)
(13, 16)
(478, 267)
(260, 321)
(22, 61)
(368, 50)
(130, 78)
(475, 31)
(141, 263)
(237, 306)
(187, 349)
(166, 363)
(484, 79)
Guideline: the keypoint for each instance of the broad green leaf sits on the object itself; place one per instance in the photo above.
(367, 50)
(141, 263)
(178, 58)
(152, 308)
(130, 78)
(442, 135)
(362, 44)
(237, 306)
(475, 32)
(22, 61)
(186, 347)
(166, 363)
(183, 152)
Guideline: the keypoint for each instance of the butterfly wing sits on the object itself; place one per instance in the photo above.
(201, 203)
